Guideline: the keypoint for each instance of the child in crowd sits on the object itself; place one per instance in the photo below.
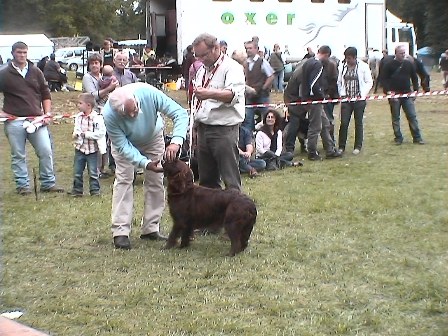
(107, 78)
(89, 129)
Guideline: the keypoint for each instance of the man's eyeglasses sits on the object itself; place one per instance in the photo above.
(203, 55)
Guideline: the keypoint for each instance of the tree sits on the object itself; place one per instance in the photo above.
(430, 19)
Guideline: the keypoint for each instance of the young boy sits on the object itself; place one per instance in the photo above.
(89, 129)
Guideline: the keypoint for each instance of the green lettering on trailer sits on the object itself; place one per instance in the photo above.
(250, 18)
(289, 18)
(227, 18)
(271, 19)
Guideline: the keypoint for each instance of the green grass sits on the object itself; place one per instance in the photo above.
(356, 246)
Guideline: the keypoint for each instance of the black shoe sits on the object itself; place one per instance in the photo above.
(419, 142)
(271, 165)
(314, 156)
(74, 193)
(398, 142)
(24, 191)
(122, 242)
(104, 175)
(53, 189)
(333, 155)
(153, 236)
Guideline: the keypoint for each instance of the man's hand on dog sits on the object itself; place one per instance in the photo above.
(154, 166)
(171, 152)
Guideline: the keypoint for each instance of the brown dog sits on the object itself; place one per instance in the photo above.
(193, 207)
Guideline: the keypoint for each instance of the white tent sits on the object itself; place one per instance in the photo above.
(38, 46)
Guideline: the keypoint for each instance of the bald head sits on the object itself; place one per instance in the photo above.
(123, 102)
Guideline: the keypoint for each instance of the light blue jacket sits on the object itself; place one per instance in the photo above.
(127, 134)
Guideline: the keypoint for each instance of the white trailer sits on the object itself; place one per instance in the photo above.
(293, 24)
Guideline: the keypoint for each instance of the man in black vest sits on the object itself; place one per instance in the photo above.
(259, 76)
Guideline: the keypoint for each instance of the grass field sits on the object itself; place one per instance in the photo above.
(356, 246)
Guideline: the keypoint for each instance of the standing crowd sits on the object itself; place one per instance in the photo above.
(120, 124)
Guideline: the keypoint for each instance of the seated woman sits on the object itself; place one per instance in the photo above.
(53, 74)
(269, 143)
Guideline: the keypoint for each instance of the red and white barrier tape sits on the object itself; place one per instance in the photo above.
(339, 100)
(280, 105)
(55, 117)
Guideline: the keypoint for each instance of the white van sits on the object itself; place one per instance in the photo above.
(71, 57)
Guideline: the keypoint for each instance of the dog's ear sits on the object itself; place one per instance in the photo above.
(177, 184)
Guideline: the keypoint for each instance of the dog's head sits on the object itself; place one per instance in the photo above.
(179, 175)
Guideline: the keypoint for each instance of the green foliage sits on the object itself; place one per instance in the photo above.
(97, 19)
(437, 26)
(430, 19)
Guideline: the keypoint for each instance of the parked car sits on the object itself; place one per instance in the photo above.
(65, 55)
(76, 62)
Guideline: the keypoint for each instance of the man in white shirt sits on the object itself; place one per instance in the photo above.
(218, 107)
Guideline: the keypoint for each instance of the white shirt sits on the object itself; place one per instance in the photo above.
(228, 76)
(265, 66)
(23, 71)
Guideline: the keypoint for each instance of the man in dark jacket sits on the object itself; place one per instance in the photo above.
(397, 78)
(313, 89)
(26, 94)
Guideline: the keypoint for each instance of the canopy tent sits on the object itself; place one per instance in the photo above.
(38, 45)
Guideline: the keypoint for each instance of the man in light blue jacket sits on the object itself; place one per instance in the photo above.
(135, 127)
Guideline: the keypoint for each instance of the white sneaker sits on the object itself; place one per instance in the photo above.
(356, 151)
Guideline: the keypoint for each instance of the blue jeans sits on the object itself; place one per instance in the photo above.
(249, 121)
(40, 140)
(347, 108)
(245, 164)
(279, 77)
(79, 165)
(411, 115)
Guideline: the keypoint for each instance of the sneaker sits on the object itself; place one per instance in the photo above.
(333, 155)
(95, 194)
(297, 164)
(53, 189)
(341, 150)
(314, 156)
(24, 191)
(356, 151)
(398, 142)
(419, 142)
